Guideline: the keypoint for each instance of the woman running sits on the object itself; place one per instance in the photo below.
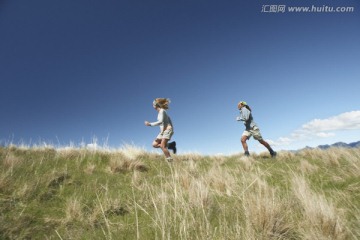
(166, 128)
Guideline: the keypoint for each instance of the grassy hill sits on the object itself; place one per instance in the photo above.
(48, 193)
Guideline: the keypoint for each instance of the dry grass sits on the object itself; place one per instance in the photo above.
(269, 217)
(322, 219)
(127, 193)
(120, 163)
(306, 167)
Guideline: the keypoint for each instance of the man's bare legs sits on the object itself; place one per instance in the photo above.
(244, 144)
(263, 142)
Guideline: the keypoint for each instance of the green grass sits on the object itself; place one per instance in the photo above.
(75, 193)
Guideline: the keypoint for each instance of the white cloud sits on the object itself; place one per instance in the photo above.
(344, 121)
(322, 128)
(324, 134)
(282, 141)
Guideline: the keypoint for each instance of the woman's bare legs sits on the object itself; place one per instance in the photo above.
(162, 143)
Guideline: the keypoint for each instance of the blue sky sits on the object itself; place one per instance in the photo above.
(74, 70)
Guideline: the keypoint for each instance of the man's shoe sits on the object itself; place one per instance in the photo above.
(273, 154)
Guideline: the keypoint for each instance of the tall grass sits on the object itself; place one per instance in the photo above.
(128, 193)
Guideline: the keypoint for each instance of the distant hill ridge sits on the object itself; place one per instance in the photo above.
(339, 144)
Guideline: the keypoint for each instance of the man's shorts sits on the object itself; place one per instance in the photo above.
(255, 132)
(165, 134)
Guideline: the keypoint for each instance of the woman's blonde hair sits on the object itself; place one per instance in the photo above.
(162, 103)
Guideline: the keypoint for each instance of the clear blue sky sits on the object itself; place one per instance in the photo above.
(72, 70)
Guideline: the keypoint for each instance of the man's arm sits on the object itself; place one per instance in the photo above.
(244, 115)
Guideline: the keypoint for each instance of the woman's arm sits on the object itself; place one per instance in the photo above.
(160, 119)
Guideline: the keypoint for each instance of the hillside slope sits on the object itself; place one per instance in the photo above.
(48, 193)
